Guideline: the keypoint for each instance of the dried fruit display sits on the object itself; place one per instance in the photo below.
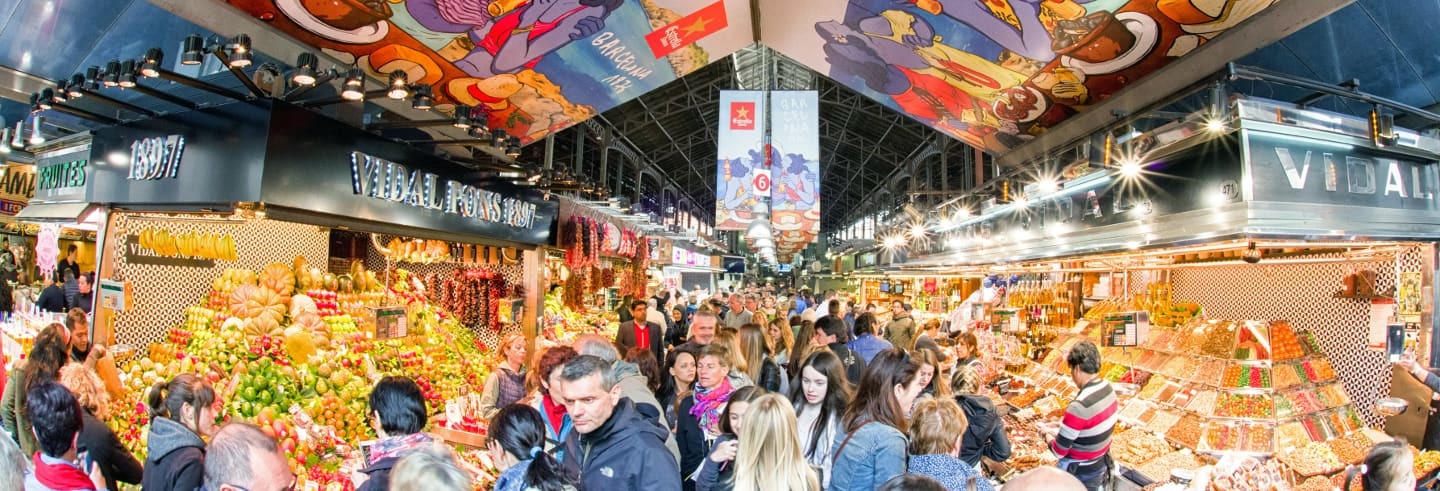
(1159, 469)
(1134, 410)
(1284, 375)
(1292, 435)
(1162, 422)
(1311, 460)
(1168, 392)
(1312, 345)
(1210, 372)
(1283, 342)
(1180, 367)
(1332, 396)
(1186, 431)
(1026, 399)
(1153, 387)
(1259, 438)
(1182, 397)
(1203, 402)
(1250, 343)
(1249, 475)
(1426, 462)
(1315, 483)
(1136, 447)
(1349, 450)
(1245, 406)
(1219, 339)
(1148, 416)
(1319, 370)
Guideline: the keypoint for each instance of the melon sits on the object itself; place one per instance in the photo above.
(302, 304)
(278, 278)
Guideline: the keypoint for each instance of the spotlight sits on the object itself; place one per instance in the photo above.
(479, 133)
(399, 83)
(1049, 185)
(421, 98)
(1022, 201)
(150, 65)
(354, 85)
(462, 117)
(15, 138)
(60, 93)
(194, 50)
(1215, 125)
(500, 138)
(917, 230)
(305, 69)
(4, 139)
(127, 74)
(35, 137)
(112, 73)
(513, 150)
(1130, 167)
(1382, 127)
(1251, 254)
(75, 89)
(239, 51)
(92, 78)
(44, 99)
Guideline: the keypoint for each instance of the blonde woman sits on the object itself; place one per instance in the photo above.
(730, 339)
(781, 340)
(769, 454)
(115, 463)
(506, 384)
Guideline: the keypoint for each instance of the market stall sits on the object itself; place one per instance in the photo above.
(291, 261)
(1250, 283)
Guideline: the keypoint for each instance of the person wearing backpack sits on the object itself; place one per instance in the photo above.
(831, 331)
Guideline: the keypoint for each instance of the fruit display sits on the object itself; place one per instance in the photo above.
(165, 243)
(299, 365)
(1427, 462)
(1159, 468)
(1135, 447)
(1285, 344)
(1186, 432)
(1248, 474)
(416, 250)
(1350, 449)
(1245, 405)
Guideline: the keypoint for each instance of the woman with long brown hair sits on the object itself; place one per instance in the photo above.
(48, 354)
(762, 369)
(872, 448)
(781, 340)
(804, 345)
(820, 394)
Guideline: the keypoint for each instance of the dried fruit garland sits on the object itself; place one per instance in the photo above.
(473, 295)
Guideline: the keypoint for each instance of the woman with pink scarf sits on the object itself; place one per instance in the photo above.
(397, 411)
(700, 414)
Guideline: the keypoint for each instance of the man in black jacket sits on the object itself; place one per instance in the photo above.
(831, 331)
(620, 450)
(639, 333)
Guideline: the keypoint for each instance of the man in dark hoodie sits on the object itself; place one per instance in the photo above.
(831, 331)
(620, 449)
(985, 436)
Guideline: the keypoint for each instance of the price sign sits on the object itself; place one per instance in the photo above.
(390, 323)
(114, 295)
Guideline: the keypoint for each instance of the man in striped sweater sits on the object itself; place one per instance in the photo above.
(1083, 443)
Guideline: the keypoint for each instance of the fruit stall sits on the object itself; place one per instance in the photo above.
(295, 270)
(599, 260)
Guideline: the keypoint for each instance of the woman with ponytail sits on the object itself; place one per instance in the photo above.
(517, 447)
(1389, 467)
(181, 411)
(49, 353)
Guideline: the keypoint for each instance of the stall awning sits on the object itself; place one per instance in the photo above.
(56, 212)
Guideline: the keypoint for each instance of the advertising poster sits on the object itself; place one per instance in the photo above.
(795, 195)
(742, 166)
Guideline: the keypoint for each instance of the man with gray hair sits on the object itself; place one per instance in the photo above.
(633, 385)
(241, 457)
(737, 316)
(620, 449)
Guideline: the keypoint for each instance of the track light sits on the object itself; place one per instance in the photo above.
(61, 95)
(305, 69)
(112, 73)
(421, 97)
(399, 85)
(499, 138)
(150, 65)
(35, 137)
(479, 133)
(194, 50)
(1382, 128)
(92, 78)
(513, 150)
(75, 89)
(127, 74)
(354, 88)
(462, 117)
(239, 51)
(44, 100)
(15, 138)
(4, 142)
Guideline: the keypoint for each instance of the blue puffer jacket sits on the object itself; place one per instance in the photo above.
(873, 455)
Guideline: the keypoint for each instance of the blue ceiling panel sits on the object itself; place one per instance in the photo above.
(47, 37)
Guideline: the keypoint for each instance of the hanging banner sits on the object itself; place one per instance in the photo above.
(741, 159)
(795, 141)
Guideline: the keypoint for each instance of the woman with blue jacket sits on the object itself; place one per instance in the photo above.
(872, 449)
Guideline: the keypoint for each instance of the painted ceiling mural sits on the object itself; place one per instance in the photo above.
(994, 73)
(535, 66)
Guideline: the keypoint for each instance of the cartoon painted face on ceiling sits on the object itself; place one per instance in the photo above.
(509, 35)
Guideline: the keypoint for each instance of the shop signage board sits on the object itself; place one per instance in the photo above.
(795, 150)
(17, 186)
(135, 253)
(1292, 169)
(390, 323)
(61, 175)
(114, 295)
(318, 165)
(156, 157)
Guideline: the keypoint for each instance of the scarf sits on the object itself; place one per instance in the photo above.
(555, 413)
(709, 403)
(60, 476)
(399, 446)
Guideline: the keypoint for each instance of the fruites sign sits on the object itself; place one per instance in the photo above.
(63, 175)
(375, 177)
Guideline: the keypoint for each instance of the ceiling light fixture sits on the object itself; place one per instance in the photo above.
(479, 133)
(92, 78)
(1049, 185)
(150, 65)
(15, 138)
(239, 51)
(512, 151)
(1130, 167)
(111, 78)
(421, 97)
(75, 89)
(193, 51)
(35, 137)
(399, 85)
(4, 142)
(60, 94)
(354, 88)
(43, 100)
(462, 117)
(127, 74)
(499, 137)
(305, 67)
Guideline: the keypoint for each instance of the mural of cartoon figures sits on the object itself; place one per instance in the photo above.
(1015, 25)
(795, 189)
(734, 192)
(1203, 20)
(526, 103)
(897, 29)
(507, 41)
